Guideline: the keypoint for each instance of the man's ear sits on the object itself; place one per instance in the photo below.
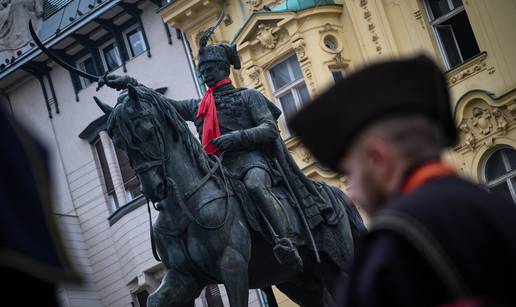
(378, 154)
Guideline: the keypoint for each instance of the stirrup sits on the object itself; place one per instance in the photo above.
(287, 254)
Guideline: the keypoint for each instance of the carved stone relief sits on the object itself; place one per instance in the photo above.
(299, 48)
(419, 17)
(482, 123)
(307, 72)
(327, 28)
(481, 120)
(267, 35)
(371, 26)
(467, 70)
(255, 5)
(304, 154)
(469, 138)
(253, 75)
(14, 32)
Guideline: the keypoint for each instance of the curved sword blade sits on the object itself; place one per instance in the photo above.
(57, 59)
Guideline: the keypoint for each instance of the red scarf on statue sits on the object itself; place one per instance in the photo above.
(208, 110)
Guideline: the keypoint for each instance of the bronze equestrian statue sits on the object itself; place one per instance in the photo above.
(235, 210)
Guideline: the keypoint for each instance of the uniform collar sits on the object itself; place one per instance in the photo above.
(422, 172)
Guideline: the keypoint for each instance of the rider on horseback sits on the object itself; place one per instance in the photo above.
(241, 124)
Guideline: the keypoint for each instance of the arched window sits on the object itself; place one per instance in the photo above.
(500, 171)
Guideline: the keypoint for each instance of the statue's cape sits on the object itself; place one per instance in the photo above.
(315, 207)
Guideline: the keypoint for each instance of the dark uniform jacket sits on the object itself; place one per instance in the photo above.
(249, 111)
(239, 109)
(475, 228)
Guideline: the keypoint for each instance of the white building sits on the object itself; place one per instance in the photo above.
(96, 196)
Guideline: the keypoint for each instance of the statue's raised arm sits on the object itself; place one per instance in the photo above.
(186, 108)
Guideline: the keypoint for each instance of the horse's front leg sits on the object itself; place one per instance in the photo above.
(234, 274)
(176, 290)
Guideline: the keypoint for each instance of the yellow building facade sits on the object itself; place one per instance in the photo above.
(291, 50)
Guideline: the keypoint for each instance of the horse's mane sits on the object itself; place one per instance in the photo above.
(157, 105)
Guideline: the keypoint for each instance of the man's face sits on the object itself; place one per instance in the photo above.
(369, 167)
(212, 73)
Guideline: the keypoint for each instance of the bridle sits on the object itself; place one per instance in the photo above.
(169, 184)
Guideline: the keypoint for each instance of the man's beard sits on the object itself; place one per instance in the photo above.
(374, 195)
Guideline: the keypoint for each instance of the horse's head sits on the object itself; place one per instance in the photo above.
(136, 126)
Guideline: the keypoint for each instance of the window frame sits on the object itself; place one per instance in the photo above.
(290, 87)
(342, 71)
(508, 178)
(110, 41)
(128, 197)
(112, 204)
(437, 21)
(127, 43)
(79, 61)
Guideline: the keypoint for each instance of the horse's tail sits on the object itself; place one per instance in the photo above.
(355, 220)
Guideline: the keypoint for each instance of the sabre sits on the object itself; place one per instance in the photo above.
(56, 59)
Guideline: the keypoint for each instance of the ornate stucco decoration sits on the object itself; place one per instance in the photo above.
(253, 4)
(267, 35)
(512, 109)
(419, 17)
(482, 120)
(14, 18)
(299, 47)
(371, 26)
(469, 138)
(468, 69)
(306, 67)
(304, 154)
(327, 28)
(253, 74)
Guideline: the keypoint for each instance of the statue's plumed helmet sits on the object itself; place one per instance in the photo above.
(217, 52)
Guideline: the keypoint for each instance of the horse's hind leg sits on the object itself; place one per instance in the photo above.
(176, 290)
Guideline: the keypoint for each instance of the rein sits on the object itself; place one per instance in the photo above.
(202, 182)
(170, 186)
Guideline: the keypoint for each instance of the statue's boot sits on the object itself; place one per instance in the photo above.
(277, 218)
(285, 249)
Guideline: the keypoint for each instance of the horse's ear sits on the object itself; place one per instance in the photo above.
(133, 94)
(107, 109)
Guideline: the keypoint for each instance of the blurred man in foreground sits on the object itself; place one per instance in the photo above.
(32, 256)
(435, 238)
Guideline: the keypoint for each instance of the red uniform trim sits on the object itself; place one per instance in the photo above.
(426, 172)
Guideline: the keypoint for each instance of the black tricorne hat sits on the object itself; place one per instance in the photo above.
(416, 85)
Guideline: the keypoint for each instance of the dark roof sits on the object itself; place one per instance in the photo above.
(50, 7)
(61, 18)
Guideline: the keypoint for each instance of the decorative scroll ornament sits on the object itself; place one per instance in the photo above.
(253, 74)
(469, 138)
(466, 70)
(267, 36)
(299, 48)
(253, 4)
(304, 154)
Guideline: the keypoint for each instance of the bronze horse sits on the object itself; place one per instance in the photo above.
(202, 232)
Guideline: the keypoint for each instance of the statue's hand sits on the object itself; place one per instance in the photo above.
(227, 141)
(114, 81)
